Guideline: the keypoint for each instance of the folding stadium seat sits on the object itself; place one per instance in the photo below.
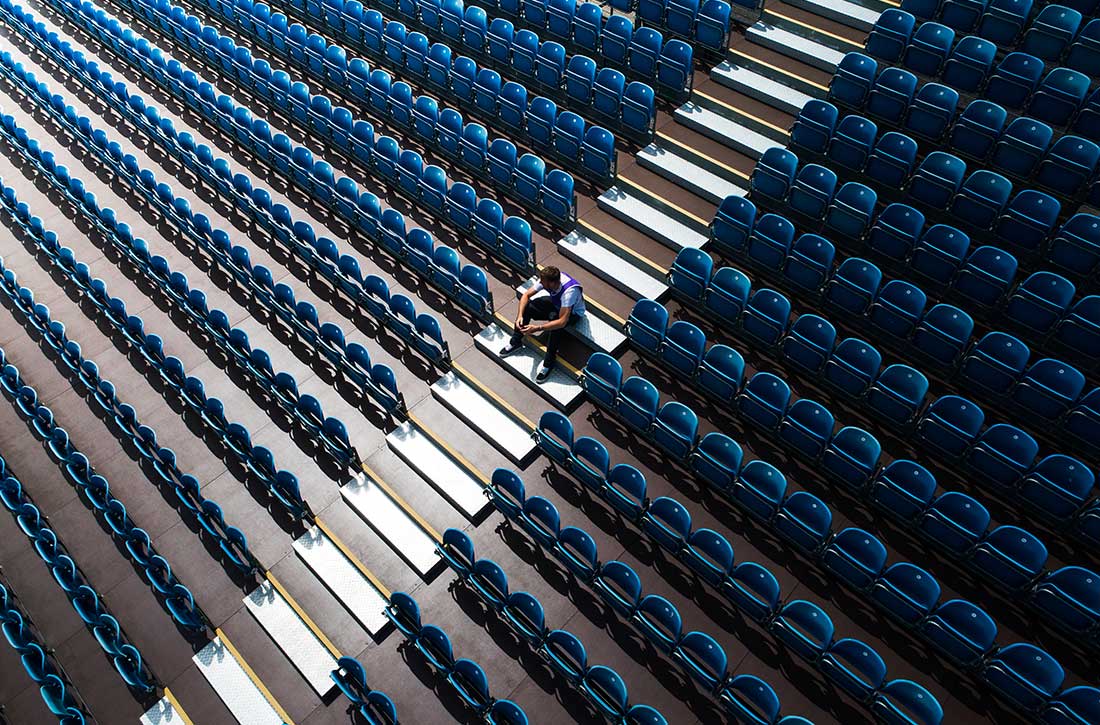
(962, 631)
(1040, 301)
(680, 16)
(898, 394)
(851, 84)
(898, 308)
(555, 436)
(580, 75)
(1079, 329)
(812, 191)
(1076, 245)
(770, 241)
(892, 95)
(1022, 146)
(1003, 454)
(1049, 389)
(755, 591)
(616, 39)
(619, 586)
(891, 33)
(1069, 164)
(903, 489)
(566, 654)
(807, 427)
(750, 700)
(638, 112)
(764, 400)
(937, 179)
(691, 272)
(668, 523)
(703, 658)
(1058, 486)
(774, 173)
(944, 333)
(996, 362)
(855, 667)
(557, 196)
(717, 460)
(951, 425)
(986, 275)
(813, 127)
(932, 111)
(647, 324)
(507, 493)
(675, 429)
(625, 490)
(1072, 706)
(977, 128)
(1014, 80)
(457, 550)
(851, 210)
(1051, 32)
(674, 67)
(1030, 218)
(607, 92)
(759, 489)
(962, 15)
(1070, 596)
(1084, 54)
(928, 48)
(970, 63)
(541, 520)
(852, 142)
(587, 26)
(810, 262)
(896, 231)
(732, 224)
(923, 9)
(906, 592)
(721, 372)
(637, 403)
(853, 366)
(598, 152)
(852, 457)
(1084, 420)
(804, 628)
(854, 285)
(809, 342)
(1059, 96)
(577, 550)
(982, 198)
(709, 554)
(904, 701)
(1024, 675)
(766, 316)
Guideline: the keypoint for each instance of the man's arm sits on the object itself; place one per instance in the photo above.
(523, 299)
(562, 321)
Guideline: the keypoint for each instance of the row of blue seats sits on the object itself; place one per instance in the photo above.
(706, 24)
(851, 664)
(54, 686)
(1058, 487)
(483, 220)
(575, 82)
(376, 381)
(524, 613)
(135, 541)
(746, 698)
(1061, 98)
(1021, 150)
(82, 596)
(396, 312)
(564, 136)
(929, 48)
(374, 706)
(464, 675)
(1021, 674)
(1001, 21)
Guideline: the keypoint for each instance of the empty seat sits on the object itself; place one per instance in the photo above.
(906, 592)
(890, 34)
(855, 556)
(1049, 389)
(1014, 80)
(1003, 20)
(855, 667)
(1010, 556)
(951, 425)
(807, 427)
(1058, 96)
(892, 95)
(804, 628)
(904, 489)
(853, 366)
(814, 125)
(970, 63)
(852, 81)
(717, 460)
(1024, 675)
(904, 701)
(962, 631)
(852, 457)
(928, 48)
(805, 521)
(1003, 454)
(1051, 32)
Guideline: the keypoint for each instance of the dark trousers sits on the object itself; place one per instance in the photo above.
(542, 308)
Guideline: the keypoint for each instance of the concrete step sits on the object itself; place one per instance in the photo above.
(742, 78)
(626, 204)
(344, 575)
(481, 409)
(440, 467)
(393, 519)
(794, 45)
(606, 259)
(561, 388)
(854, 15)
(244, 695)
(725, 129)
(687, 174)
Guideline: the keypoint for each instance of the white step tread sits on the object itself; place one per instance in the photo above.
(688, 174)
(298, 642)
(724, 129)
(485, 416)
(849, 13)
(649, 219)
(630, 278)
(164, 712)
(593, 329)
(391, 520)
(560, 388)
(247, 702)
(794, 45)
(760, 87)
(445, 475)
(343, 578)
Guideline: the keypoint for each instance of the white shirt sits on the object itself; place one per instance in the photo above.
(572, 298)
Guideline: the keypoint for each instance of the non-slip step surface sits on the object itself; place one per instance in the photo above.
(592, 329)
(687, 174)
(391, 519)
(851, 14)
(485, 416)
(299, 643)
(343, 578)
(164, 712)
(647, 218)
(608, 265)
(794, 45)
(758, 86)
(560, 388)
(724, 129)
(440, 470)
(247, 702)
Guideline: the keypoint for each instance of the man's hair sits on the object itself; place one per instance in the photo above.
(549, 274)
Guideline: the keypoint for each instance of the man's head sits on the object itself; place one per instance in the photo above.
(550, 277)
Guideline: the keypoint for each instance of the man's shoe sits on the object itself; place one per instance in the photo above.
(543, 373)
(510, 348)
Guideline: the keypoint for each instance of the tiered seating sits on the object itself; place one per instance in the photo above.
(1004, 22)
(705, 24)
(958, 629)
(748, 585)
(564, 136)
(1060, 99)
(54, 686)
(464, 675)
(85, 599)
(374, 706)
(131, 539)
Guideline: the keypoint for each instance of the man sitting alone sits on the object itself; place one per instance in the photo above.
(561, 306)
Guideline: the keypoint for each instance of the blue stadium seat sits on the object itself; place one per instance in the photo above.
(759, 489)
(682, 347)
(986, 275)
(928, 48)
(854, 285)
(904, 489)
(852, 457)
(906, 592)
(1069, 164)
(750, 700)
(755, 591)
(855, 667)
(809, 342)
(721, 372)
(892, 95)
(1049, 389)
(852, 81)
(766, 316)
(636, 403)
(853, 366)
(1070, 596)
(774, 173)
(620, 587)
(812, 191)
(890, 34)
(853, 142)
(955, 522)
(660, 621)
(951, 425)
(1040, 301)
(944, 333)
(932, 111)
(1051, 32)
(732, 224)
(770, 241)
(764, 400)
(1058, 486)
(647, 324)
(977, 128)
(1010, 556)
(709, 554)
(717, 460)
(810, 262)
(1058, 96)
(902, 702)
(898, 307)
(675, 429)
(668, 522)
(1003, 20)
(962, 631)
(1072, 706)
(804, 628)
(1024, 675)
(807, 427)
(625, 490)
(703, 658)
(1014, 80)
(969, 64)
(851, 210)
(813, 127)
